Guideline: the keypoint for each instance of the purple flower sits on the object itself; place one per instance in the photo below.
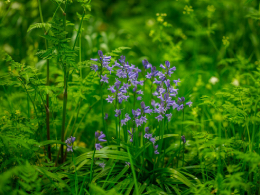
(176, 82)
(134, 89)
(131, 135)
(94, 59)
(100, 53)
(106, 116)
(69, 143)
(111, 88)
(138, 122)
(139, 98)
(189, 103)
(143, 119)
(152, 140)
(162, 66)
(100, 135)
(146, 64)
(168, 116)
(167, 63)
(69, 148)
(110, 99)
(157, 82)
(167, 83)
(156, 152)
(104, 78)
(136, 113)
(148, 136)
(102, 165)
(180, 107)
(140, 92)
(94, 67)
(98, 146)
(118, 112)
(183, 139)
(146, 129)
(127, 163)
(159, 118)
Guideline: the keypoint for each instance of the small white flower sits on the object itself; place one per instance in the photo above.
(213, 80)
(235, 82)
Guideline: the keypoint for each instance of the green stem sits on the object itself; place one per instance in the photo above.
(181, 135)
(65, 94)
(91, 168)
(133, 171)
(47, 84)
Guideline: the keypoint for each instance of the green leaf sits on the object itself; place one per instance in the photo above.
(47, 142)
(39, 25)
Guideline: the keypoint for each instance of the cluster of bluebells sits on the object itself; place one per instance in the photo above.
(149, 136)
(165, 91)
(104, 61)
(69, 143)
(99, 135)
(139, 116)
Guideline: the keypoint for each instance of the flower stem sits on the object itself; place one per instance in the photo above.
(65, 94)
(47, 84)
(91, 168)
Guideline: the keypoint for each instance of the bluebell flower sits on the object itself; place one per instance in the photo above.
(143, 119)
(152, 140)
(167, 83)
(189, 103)
(117, 83)
(139, 98)
(131, 135)
(157, 82)
(110, 99)
(176, 82)
(148, 135)
(136, 113)
(127, 163)
(155, 93)
(122, 59)
(102, 165)
(155, 149)
(126, 85)
(118, 112)
(104, 78)
(146, 129)
(168, 116)
(139, 92)
(123, 122)
(162, 66)
(111, 88)
(106, 116)
(167, 63)
(159, 118)
(94, 67)
(100, 53)
(180, 107)
(100, 135)
(121, 74)
(138, 122)
(98, 146)
(69, 148)
(183, 139)
(94, 59)
(146, 64)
